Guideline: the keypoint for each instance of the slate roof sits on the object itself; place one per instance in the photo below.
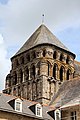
(77, 68)
(72, 103)
(41, 36)
(5, 106)
(69, 91)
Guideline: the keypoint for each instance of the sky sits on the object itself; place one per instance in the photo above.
(20, 18)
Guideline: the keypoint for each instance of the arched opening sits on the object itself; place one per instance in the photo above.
(67, 60)
(28, 57)
(16, 62)
(55, 68)
(14, 91)
(15, 78)
(22, 60)
(68, 74)
(33, 55)
(48, 69)
(61, 57)
(55, 55)
(21, 76)
(27, 73)
(33, 71)
(44, 53)
(61, 73)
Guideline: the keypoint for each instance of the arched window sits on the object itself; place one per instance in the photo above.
(44, 53)
(27, 73)
(62, 73)
(33, 55)
(16, 62)
(38, 68)
(55, 69)
(15, 75)
(68, 74)
(33, 71)
(48, 69)
(67, 60)
(55, 55)
(28, 57)
(22, 60)
(21, 76)
(61, 57)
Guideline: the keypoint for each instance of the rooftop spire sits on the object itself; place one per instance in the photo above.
(42, 18)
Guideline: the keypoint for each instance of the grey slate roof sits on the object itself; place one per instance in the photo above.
(69, 91)
(5, 106)
(41, 36)
(77, 68)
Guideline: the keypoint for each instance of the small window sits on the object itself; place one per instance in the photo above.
(44, 53)
(18, 105)
(73, 115)
(28, 57)
(16, 62)
(57, 114)
(55, 55)
(38, 110)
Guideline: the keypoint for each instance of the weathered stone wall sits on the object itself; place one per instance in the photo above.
(37, 74)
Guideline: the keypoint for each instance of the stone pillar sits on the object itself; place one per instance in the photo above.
(63, 74)
(29, 72)
(71, 62)
(58, 56)
(23, 77)
(58, 74)
(29, 90)
(64, 58)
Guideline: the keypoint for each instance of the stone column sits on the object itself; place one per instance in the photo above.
(19, 77)
(71, 61)
(23, 76)
(58, 56)
(29, 72)
(64, 58)
(63, 74)
(58, 75)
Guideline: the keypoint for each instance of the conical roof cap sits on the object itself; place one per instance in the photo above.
(41, 36)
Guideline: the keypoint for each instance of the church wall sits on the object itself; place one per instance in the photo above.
(53, 64)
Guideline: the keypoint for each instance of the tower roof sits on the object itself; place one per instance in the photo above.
(41, 36)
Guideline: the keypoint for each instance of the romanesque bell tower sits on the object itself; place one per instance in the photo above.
(38, 69)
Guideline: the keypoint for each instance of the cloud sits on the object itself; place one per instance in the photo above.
(21, 17)
(4, 63)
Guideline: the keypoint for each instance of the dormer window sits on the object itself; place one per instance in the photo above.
(18, 105)
(38, 110)
(57, 114)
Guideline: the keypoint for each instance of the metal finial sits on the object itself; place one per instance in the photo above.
(42, 18)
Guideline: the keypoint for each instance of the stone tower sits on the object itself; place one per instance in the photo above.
(38, 69)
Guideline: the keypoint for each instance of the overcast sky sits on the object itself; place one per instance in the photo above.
(20, 18)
